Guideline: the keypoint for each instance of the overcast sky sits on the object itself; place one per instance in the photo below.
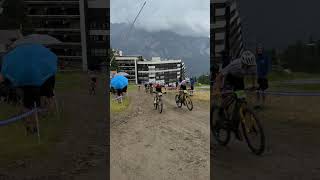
(185, 17)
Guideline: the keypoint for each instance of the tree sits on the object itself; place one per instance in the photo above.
(204, 79)
(111, 58)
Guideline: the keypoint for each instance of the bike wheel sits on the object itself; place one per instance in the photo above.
(160, 105)
(189, 103)
(252, 131)
(155, 104)
(221, 133)
(178, 102)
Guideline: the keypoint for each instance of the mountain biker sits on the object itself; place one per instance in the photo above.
(158, 89)
(232, 77)
(263, 69)
(93, 83)
(182, 86)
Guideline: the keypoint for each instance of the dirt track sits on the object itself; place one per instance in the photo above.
(148, 145)
(292, 131)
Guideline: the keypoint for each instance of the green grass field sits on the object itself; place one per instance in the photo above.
(68, 81)
(16, 145)
(119, 107)
(274, 76)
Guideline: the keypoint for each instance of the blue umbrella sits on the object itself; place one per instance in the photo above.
(119, 82)
(29, 65)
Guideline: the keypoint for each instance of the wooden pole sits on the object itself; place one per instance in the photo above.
(37, 121)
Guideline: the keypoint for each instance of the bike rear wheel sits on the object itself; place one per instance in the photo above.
(252, 131)
(178, 101)
(189, 103)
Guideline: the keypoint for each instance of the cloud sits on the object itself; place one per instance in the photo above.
(185, 17)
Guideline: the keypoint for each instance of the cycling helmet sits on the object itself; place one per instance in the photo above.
(248, 58)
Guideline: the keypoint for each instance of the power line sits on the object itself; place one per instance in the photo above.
(135, 19)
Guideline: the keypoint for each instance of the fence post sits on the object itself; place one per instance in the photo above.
(37, 121)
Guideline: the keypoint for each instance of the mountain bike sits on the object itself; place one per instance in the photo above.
(92, 88)
(236, 114)
(151, 90)
(184, 100)
(157, 102)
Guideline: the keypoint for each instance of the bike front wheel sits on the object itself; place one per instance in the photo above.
(155, 104)
(189, 103)
(178, 101)
(252, 131)
(160, 105)
(221, 133)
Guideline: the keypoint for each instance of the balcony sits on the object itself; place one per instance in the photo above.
(60, 11)
(52, 2)
(56, 29)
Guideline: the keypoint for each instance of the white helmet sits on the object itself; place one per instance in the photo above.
(248, 58)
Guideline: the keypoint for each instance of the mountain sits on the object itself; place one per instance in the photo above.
(194, 51)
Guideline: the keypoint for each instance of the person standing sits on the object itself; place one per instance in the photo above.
(263, 69)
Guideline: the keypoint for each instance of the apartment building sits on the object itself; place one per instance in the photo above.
(225, 28)
(82, 27)
(141, 70)
(160, 71)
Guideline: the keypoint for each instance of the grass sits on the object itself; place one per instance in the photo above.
(201, 95)
(297, 87)
(68, 81)
(116, 107)
(277, 76)
(15, 145)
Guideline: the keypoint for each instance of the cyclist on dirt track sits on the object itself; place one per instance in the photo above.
(158, 89)
(232, 78)
(181, 87)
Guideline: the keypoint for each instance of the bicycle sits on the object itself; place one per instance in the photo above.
(92, 88)
(185, 100)
(151, 90)
(157, 102)
(235, 117)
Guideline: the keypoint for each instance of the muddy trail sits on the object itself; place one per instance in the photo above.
(291, 126)
(173, 145)
(81, 153)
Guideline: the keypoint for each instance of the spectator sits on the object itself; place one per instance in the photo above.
(263, 69)
(47, 91)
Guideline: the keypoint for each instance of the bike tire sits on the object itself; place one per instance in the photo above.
(216, 129)
(178, 101)
(155, 105)
(160, 105)
(189, 103)
(261, 147)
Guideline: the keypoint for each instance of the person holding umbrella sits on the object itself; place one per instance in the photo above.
(29, 67)
(120, 84)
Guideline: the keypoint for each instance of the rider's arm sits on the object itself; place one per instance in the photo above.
(219, 79)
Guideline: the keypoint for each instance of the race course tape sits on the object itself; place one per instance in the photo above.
(19, 117)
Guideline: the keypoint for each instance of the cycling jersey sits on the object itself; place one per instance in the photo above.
(183, 85)
(158, 88)
(236, 69)
(234, 74)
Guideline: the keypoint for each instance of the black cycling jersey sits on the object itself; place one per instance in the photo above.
(183, 87)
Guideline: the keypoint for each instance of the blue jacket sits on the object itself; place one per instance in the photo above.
(263, 66)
